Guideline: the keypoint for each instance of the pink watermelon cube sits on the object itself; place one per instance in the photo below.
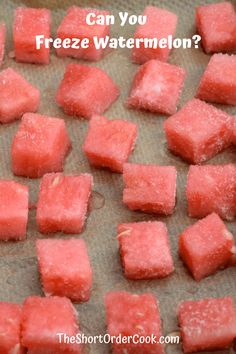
(28, 24)
(216, 24)
(207, 324)
(133, 315)
(10, 318)
(198, 131)
(218, 83)
(43, 318)
(206, 246)
(157, 87)
(65, 268)
(74, 25)
(2, 41)
(160, 23)
(109, 142)
(17, 96)
(86, 91)
(14, 200)
(63, 202)
(39, 146)
(145, 250)
(212, 188)
(150, 188)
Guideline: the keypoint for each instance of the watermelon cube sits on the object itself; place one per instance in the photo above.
(109, 142)
(160, 24)
(39, 146)
(86, 91)
(206, 246)
(74, 25)
(65, 268)
(157, 87)
(14, 200)
(198, 131)
(17, 96)
(145, 250)
(63, 202)
(43, 319)
(207, 324)
(2, 41)
(216, 24)
(150, 188)
(218, 83)
(10, 318)
(28, 24)
(212, 188)
(135, 316)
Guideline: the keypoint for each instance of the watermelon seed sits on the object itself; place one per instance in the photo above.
(97, 201)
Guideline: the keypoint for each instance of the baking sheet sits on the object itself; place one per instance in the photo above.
(18, 265)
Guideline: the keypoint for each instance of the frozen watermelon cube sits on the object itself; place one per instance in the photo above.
(2, 41)
(28, 24)
(17, 96)
(63, 202)
(74, 25)
(10, 318)
(135, 316)
(43, 319)
(65, 268)
(216, 24)
(86, 91)
(39, 146)
(157, 87)
(206, 246)
(160, 24)
(109, 142)
(212, 188)
(218, 83)
(14, 200)
(145, 250)
(150, 188)
(207, 324)
(198, 131)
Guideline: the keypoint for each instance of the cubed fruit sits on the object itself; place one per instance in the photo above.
(39, 146)
(207, 324)
(133, 315)
(43, 319)
(160, 24)
(14, 200)
(74, 25)
(86, 91)
(17, 96)
(145, 250)
(216, 24)
(109, 142)
(218, 83)
(157, 87)
(150, 188)
(206, 246)
(28, 24)
(10, 318)
(212, 188)
(63, 202)
(65, 268)
(198, 131)
(2, 41)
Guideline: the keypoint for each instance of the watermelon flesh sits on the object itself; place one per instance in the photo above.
(86, 91)
(63, 202)
(2, 41)
(207, 324)
(131, 314)
(28, 24)
(198, 131)
(160, 24)
(39, 146)
(157, 87)
(109, 142)
(145, 250)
